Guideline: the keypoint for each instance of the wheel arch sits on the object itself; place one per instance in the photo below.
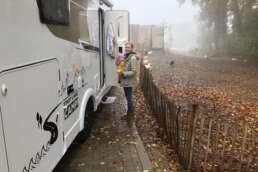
(88, 103)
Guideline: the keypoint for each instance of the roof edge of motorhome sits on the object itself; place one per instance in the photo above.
(109, 3)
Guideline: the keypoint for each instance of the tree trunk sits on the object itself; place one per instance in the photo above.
(220, 26)
(237, 21)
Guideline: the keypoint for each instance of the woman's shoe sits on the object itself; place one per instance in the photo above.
(124, 118)
(130, 116)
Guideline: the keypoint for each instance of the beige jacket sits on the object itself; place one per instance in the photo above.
(129, 74)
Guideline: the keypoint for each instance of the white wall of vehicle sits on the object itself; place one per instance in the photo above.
(93, 27)
(3, 160)
(72, 66)
(32, 117)
(26, 41)
(25, 38)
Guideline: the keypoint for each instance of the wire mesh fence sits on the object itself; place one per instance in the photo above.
(203, 142)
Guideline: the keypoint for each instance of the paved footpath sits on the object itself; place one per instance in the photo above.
(113, 146)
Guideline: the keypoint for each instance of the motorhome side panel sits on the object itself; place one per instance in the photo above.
(3, 159)
(32, 115)
(35, 110)
(84, 27)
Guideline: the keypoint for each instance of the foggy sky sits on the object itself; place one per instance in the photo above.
(157, 11)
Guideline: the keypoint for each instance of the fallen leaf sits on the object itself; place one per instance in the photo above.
(102, 163)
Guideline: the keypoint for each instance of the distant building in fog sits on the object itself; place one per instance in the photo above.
(147, 36)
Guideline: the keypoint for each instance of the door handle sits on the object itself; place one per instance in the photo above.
(4, 90)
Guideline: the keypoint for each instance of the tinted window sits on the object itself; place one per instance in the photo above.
(78, 25)
(54, 11)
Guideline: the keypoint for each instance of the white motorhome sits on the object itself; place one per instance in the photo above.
(56, 64)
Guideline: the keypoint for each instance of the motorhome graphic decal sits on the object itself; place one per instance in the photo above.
(36, 160)
(71, 103)
(48, 126)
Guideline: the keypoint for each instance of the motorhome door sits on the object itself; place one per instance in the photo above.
(116, 27)
(101, 47)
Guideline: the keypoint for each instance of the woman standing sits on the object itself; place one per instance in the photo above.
(128, 79)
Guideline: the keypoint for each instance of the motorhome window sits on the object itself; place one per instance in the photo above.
(78, 25)
(93, 25)
(54, 12)
(83, 25)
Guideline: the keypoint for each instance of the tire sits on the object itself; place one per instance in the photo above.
(85, 133)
